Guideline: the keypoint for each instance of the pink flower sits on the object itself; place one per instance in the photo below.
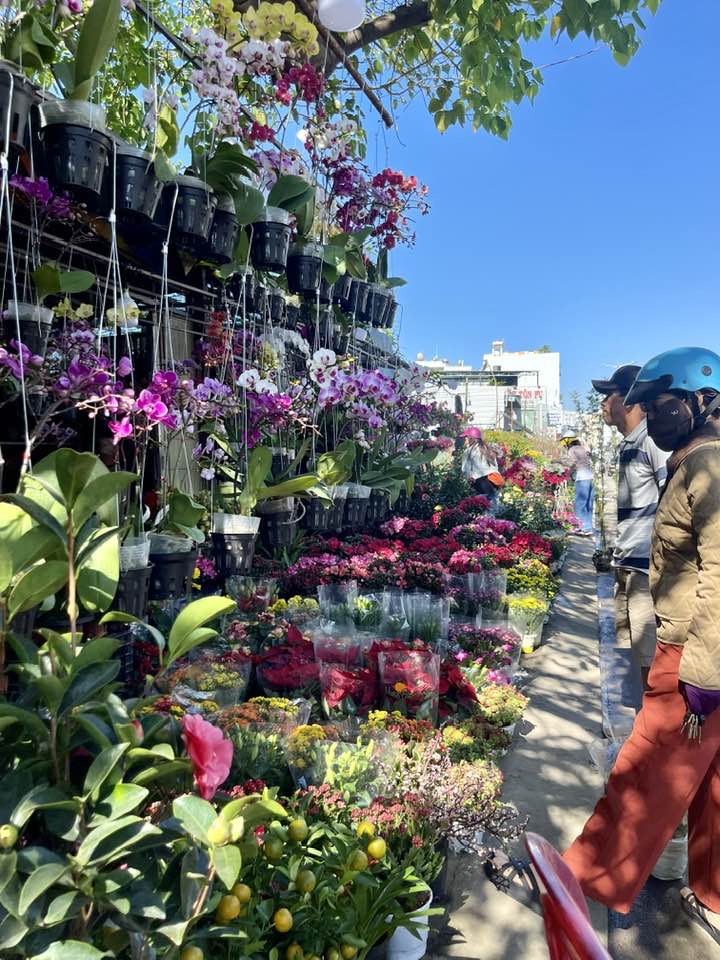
(124, 367)
(120, 429)
(210, 753)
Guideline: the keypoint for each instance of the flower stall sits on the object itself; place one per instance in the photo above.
(259, 639)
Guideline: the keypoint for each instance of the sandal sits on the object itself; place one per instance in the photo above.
(515, 877)
(698, 913)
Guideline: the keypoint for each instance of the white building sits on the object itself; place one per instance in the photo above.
(511, 390)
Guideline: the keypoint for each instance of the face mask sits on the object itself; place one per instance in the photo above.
(671, 424)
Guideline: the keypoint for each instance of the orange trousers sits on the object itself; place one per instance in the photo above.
(658, 776)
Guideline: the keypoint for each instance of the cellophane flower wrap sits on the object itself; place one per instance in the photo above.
(410, 681)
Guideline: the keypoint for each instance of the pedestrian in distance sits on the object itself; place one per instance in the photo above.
(670, 764)
(479, 463)
(577, 458)
(641, 472)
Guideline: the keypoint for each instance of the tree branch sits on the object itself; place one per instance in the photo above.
(405, 17)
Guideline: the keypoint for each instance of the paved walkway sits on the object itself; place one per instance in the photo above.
(548, 775)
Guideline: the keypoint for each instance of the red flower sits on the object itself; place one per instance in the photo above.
(210, 753)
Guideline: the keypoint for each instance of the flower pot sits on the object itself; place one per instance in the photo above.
(16, 97)
(341, 288)
(326, 291)
(376, 306)
(337, 510)
(292, 316)
(77, 150)
(133, 591)
(171, 577)
(411, 945)
(134, 553)
(377, 507)
(235, 523)
(35, 324)
(277, 522)
(354, 297)
(223, 232)
(259, 301)
(391, 313)
(304, 268)
(194, 208)
(241, 289)
(270, 240)
(356, 505)
(137, 189)
(276, 305)
(233, 552)
(317, 515)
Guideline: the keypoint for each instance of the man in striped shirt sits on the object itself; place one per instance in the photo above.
(641, 475)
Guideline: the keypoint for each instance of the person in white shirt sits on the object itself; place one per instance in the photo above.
(577, 457)
(479, 461)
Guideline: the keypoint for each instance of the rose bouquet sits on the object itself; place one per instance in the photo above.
(410, 681)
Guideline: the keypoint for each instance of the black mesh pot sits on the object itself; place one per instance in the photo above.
(133, 591)
(276, 305)
(304, 268)
(278, 529)
(326, 291)
(223, 232)
(391, 313)
(35, 325)
(271, 240)
(233, 553)
(260, 299)
(194, 211)
(377, 507)
(241, 289)
(171, 577)
(342, 288)
(356, 298)
(356, 509)
(378, 300)
(337, 516)
(402, 503)
(19, 107)
(76, 162)
(293, 317)
(317, 515)
(137, 189)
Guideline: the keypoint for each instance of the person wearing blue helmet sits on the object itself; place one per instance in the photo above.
(670, 764)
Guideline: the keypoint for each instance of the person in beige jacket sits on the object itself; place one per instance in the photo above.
(670, 764)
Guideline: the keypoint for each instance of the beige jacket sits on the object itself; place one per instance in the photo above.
(685, 560)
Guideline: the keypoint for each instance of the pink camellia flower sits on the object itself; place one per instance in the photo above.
(210, 753)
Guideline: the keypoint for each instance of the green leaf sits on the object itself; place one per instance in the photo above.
(36, 585)
(101, 768)
(173, 769)
(175, 932)
(195, 615)
(99, 571)
(97, 492)
(88, 850)
(97, 37)
(46, 280)
(12, 931)
(72, 950)
(87, 683)
(290, 193)
(227, 861)
(164, 170)
(51, 690)
(39, 881)
(195, 815)
(123, 799)
(64, 907)
(74, 471)
(249, 204)
(76, 281)
(99, 650)
(95, 728)
(118, 616)
(8, 865)
(38, 514)
(32, 723)
(22, 542)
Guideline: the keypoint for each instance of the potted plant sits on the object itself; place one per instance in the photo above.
(502, 705)
(174, 534)
(76, 144)
(138, 189)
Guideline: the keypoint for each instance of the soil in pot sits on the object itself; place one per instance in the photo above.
(14, 84)
(137, 189)
(133, 591)
(223, 232)
(171, 577)
(304, 268)
(270, 240)
(77, 160)
(233, 553)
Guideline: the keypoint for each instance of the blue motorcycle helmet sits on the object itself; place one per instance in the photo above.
(688, 369)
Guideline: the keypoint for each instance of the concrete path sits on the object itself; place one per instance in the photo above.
(548, 775)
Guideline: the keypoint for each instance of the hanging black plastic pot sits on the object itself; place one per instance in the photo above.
(77, 151)
(354, 303)
(276, 305)
(377, 507)
(223, 232)
(375, 306)
(293, 316)
(16, 97)
(260, 299)
(137, 189)
(317, 515)
(171, 576)
(341, 290)
(233, 553)
(326, 292)
(304, 268)
(133, 591)
(271, 240)
(277, 522)
(241, 289)
(391, 313)
(194, 212)
(356, 509)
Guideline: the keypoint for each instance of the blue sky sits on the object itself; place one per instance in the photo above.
(594, 229)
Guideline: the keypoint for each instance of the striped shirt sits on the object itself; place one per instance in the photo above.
(641, 475)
